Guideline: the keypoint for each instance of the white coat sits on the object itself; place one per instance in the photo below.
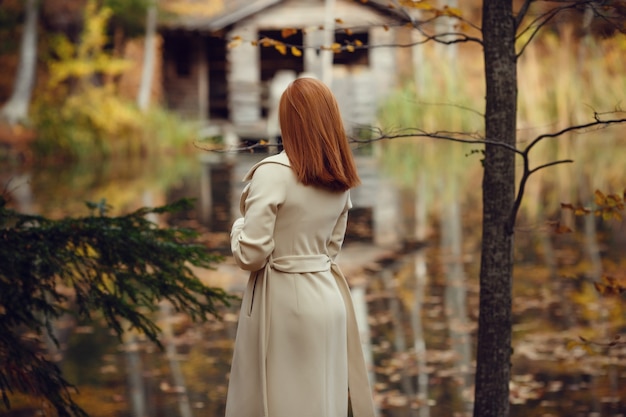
(297, 350)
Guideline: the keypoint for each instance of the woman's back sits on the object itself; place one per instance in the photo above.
(306, 220)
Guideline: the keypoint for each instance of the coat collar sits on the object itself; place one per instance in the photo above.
(280, 158)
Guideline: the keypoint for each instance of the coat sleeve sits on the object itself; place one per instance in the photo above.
(252, 236)
(339, 231)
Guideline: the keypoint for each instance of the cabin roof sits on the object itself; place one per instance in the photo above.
(214, 15)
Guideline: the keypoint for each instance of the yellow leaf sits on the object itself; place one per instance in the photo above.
(234, 42)
(617, 215)
(348, 32)
(422, 5)
(281, 47)
(358, 42)
(613, 200)
(350, 48)
(287, 32)
(607, 215)
(581, 211)
(451, 11)
(599, 198)
(335, 47)
(339, 21)
(572, 344)
(295, 51)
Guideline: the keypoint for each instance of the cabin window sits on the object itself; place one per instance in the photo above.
(180, 50)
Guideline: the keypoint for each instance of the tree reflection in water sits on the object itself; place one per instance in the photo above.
(421, 308)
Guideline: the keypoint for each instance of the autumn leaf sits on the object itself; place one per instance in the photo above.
(583, 344)
(348, 32)
(234, 42)
(573, 344)
(267, 42)
(599, 197)
(350, 48)
(358, 43)
(295, 51)
(287, 32)
(421, 5)
(451, 11)
(339, 21)
(560, 229)
(581, 211)
(335, 47)
(613, 200)
(609, 286)
(281, 47)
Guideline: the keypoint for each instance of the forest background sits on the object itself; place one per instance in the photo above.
(590, 50)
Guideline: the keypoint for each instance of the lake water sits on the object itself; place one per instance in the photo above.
(412, 257)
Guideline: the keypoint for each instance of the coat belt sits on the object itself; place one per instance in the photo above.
(299, 264)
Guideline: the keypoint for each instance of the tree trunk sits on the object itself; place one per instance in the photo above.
(494, 326)
(149, 58)
(16, 109)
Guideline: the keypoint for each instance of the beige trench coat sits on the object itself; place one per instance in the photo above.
(297, 350)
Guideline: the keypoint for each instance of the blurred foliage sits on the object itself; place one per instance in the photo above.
(128, 15)
(80, 115)
(117, 269)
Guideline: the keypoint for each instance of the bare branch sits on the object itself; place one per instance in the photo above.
(549, 164)
(254, 146)
(441, 135)
(522, 13)
(615, 25)
(598, 122)
(510, 224)
(539, 22)
(527, 172)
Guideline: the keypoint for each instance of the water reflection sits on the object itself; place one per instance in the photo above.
(417, 308)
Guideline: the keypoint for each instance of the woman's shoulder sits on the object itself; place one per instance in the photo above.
(271, 163)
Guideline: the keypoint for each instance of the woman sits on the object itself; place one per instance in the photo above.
(297, 351)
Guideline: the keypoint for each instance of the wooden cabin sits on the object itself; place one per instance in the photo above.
(215, 71)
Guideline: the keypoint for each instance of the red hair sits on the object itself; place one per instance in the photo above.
(314, 137)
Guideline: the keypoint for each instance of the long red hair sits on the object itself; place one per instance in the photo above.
(314, 137)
